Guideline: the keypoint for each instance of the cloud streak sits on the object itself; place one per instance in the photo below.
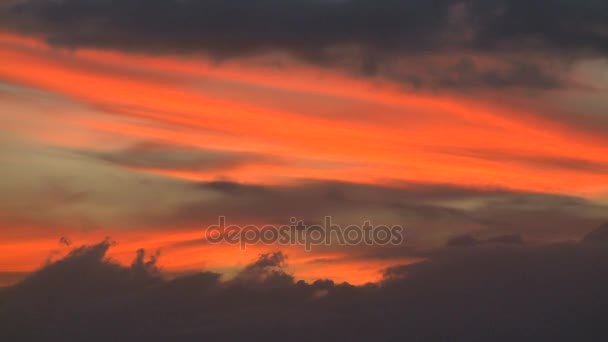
(480, 122)
(157, 156)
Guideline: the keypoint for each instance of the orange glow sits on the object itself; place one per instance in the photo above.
(357, 131)
(400, 149)
(358, 272)
(26, 255)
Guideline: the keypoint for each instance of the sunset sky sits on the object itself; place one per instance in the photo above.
(446, 117)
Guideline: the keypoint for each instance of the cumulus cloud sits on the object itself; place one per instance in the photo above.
(499, 292)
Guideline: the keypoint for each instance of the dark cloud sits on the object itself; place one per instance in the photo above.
(566, 26)
(307, 27)
(85, 193)
(468, 240)
(158, 156)
(84, 277)
(428, 211)
(469, 75)
(363, 36)
(10, 278)
(228, 28)
(499, 292)
(430, 214)
(600, 234)
(267, 270)
(463, 240)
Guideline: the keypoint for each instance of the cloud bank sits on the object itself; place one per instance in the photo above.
(502, 44)
(499, 292)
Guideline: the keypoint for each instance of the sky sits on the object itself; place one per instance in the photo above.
(144, 121)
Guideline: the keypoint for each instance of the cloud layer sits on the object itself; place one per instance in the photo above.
(502, 44)
(307, 27)
(474, 121)
(549, 292)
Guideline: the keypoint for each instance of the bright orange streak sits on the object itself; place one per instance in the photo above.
(372, 132)
(27, 255)
(406, 146)
(401, 150)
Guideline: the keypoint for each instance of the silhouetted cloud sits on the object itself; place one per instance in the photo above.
(495, 291)
(10, 278)
(267, 271)
(600, 234)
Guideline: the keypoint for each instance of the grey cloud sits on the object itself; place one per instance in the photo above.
(517, 74)
(227, 28)
(10, 278)
(468, 240)
(600, 234)
(359, 35)
(237, 27)
(519, 292)
(429, 212)
(80, 192)
(266, 271)
(153, 155)
(567, 26)
(500, 73)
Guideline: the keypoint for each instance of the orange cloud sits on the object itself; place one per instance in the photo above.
(397, 137)
(322, 124)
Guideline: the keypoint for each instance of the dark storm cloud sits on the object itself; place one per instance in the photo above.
(477, 293)
(363, 36)
(227, 28)
(566, 26)
(158, 156)
(303, 26)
